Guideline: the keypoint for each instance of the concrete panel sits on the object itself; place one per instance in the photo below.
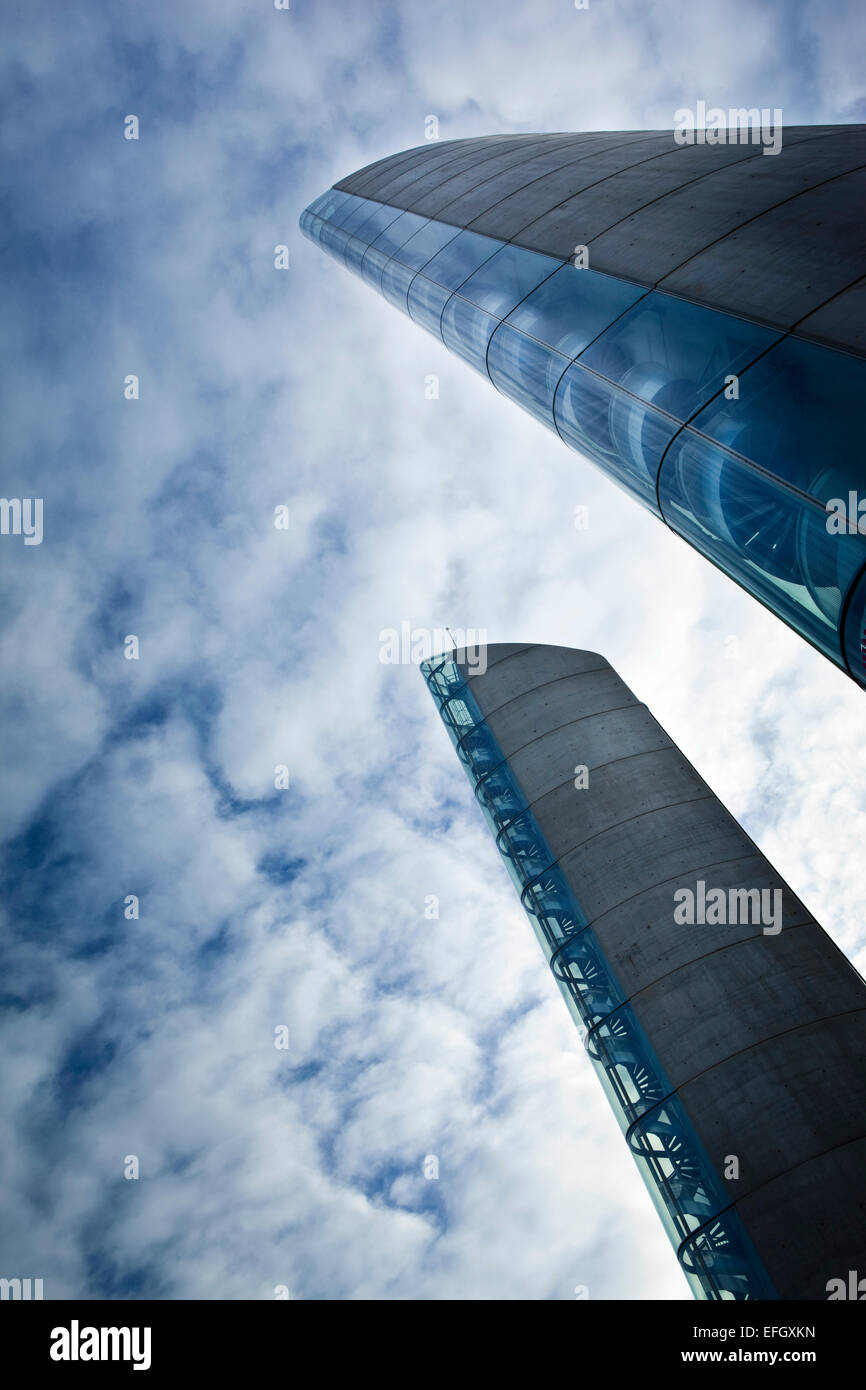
(531, 202)
(643, 942)
(492, 654)
(569, 154)
(658, 239)
(527, 669)
(649, 849)
(434, 172)
(841, 323)
(589, 213)
(772, 1106)
(548, 760)
(365, 179)
(511, 724)
(629, 787)
(752, 268)
(396, 183)
(474, 177)
(810, 1223)
(734, 998)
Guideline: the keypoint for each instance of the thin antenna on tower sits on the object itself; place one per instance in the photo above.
(451, 635)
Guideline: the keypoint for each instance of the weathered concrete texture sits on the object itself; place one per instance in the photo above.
(763, 1035)
(775, 238)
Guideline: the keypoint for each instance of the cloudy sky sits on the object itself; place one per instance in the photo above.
(303, 907)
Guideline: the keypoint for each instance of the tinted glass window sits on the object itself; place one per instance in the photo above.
(573, 307)
(399, 232)
(526, 371)
(426, 302)
(457, 260)
(466, 329)
(625, 436)
(381, 217)
(329, 203)
(673, 354)
(799, 415)
(855, 632)
(417, 251)
(359, 214)
(509, 276)
(396, 279)
(342, 211)
(775, 542)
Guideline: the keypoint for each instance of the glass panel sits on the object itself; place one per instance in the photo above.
(354, 251)
(320, 202)
(417, 251)
(372, 265)
(459, 258)
(526, 853)
(526, 371)
(334, 239)
(675, 355)
(509, 276)
(307, 221)
(398, 233)
(573, 307)
(479, 752)
(381, 216)
(772, 540)
(328, 204)
(342, 211)
(800, 416)
(396, 279)
(353, 219)
(626, 437)
(426, 302)
(855, 632)
(466, 330)
(498, 794)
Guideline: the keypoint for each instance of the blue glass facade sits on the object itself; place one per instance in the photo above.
(716, 1255)
(636, 380)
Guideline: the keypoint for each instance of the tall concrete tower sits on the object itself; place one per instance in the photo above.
(690, 316)
(727, 1029)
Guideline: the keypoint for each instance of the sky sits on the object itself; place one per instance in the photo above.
(266, 1170)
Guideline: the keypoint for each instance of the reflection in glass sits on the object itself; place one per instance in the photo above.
(466, 330)
(855, 631)
(526, 371)
(799, 416)
(343, 210)
(426, 302)
(398, 232)
(459, 258)
(506, 278)
(770, 538)
(625, 436)
(424, 244)
(573, 307)
(396, 279)
(673, 354)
